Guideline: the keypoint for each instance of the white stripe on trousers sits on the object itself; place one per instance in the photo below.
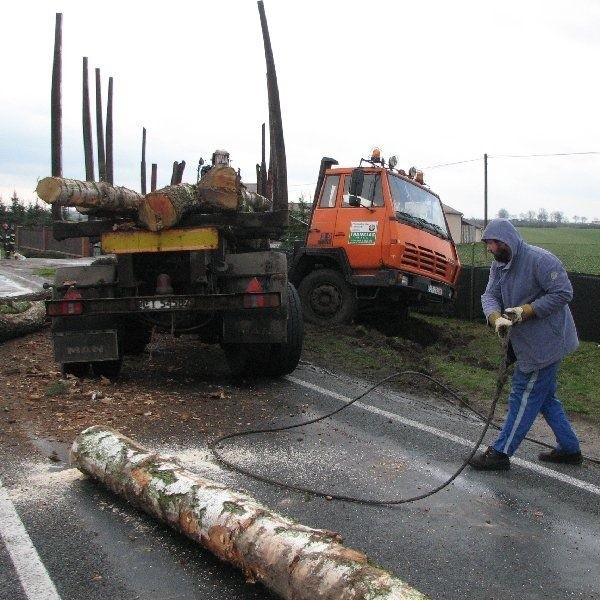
(522, 407)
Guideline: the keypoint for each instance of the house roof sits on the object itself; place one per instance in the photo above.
(449, 210)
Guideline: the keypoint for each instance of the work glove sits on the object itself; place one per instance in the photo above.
(519, 313)
(500, 323)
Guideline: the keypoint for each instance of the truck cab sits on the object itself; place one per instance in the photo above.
(376, 235)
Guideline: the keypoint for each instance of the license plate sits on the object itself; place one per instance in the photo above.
(164, 304)
(435, 289)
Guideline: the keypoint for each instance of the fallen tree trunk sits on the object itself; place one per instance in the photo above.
(88, 194)
(19, 324)
(292, 560)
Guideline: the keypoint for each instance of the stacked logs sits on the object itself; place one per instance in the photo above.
(219, 190)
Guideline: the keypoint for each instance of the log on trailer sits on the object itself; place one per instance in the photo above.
(88, 194)
(291, 559)
(166, 207)
(219, 190)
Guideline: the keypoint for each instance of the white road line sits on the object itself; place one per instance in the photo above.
(34, 578)
(578, 483)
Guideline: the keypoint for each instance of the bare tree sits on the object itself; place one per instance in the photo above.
(542, 215)
(557, 217)
(503, 214)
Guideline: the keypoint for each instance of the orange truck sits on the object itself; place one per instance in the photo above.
(377, 236)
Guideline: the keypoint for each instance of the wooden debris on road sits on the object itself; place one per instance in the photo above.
(19, 324)
(291, 559)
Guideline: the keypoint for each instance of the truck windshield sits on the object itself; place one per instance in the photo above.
(416, 204)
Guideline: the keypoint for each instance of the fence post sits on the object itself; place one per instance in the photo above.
(85, 246)
(45, 232)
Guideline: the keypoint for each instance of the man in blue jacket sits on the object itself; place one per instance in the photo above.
(528, 292)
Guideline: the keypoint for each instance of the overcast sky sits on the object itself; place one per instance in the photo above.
(433, 82)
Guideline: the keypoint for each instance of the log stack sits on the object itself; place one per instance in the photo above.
(219, 190)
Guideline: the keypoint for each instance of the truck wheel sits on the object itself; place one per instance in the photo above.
(107, 368)
(247, 360)
(327, 298)
(284, 358)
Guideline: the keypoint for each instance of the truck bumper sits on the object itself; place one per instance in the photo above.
(415, 287)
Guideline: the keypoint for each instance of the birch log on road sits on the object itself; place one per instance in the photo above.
(292, 560)
(88, 194)
(13, 325)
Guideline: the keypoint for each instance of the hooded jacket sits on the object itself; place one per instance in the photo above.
(532, 276)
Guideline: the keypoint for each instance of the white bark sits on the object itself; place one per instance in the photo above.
(19, 324)
(87, 194)
(291, 559)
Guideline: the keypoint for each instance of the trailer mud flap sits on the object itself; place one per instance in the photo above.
(238, 329)
(85, 346)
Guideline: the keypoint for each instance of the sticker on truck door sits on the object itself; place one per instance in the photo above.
(363, 232)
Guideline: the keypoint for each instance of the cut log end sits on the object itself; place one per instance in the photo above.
(48, 189)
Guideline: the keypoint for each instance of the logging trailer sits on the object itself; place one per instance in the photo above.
(211, 274)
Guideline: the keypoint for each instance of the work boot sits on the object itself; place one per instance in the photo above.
(565, 458)
(490, 460)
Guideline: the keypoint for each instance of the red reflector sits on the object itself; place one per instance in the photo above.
(254, 286)
(69, 305)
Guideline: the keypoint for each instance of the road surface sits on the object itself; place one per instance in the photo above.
(531, 532)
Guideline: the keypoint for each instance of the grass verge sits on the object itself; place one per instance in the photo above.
(460, 354)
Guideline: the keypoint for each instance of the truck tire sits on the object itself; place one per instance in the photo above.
(247, 360)
(326, 297)
(284, 358)
(270, 360)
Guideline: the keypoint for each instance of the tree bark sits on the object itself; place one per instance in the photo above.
(291, 559)
(19, 324)
(164, 208)
(87, 194)
(219, 190)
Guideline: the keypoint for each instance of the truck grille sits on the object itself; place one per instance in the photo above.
(425, 260)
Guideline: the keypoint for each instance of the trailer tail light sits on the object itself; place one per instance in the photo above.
(69, 305)
(255, 297)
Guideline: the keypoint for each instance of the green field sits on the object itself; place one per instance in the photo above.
(578, 249)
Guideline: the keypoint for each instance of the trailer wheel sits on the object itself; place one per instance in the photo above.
(326, 298)
(247, 360)
(284, 358)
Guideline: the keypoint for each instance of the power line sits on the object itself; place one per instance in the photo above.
(541, 155)
(460, 162)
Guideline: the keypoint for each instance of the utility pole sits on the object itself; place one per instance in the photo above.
(56, 109)
(485, 191)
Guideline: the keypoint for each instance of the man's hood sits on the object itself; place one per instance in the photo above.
(503, 231)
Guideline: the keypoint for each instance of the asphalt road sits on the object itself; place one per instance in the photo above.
(531, 532)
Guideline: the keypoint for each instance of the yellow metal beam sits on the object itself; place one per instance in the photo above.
(169, 240)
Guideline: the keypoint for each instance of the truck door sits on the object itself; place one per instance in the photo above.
(360, 229)
(320, 234)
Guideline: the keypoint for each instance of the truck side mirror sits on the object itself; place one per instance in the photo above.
(356, 186)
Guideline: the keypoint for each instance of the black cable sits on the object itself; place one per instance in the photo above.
(501, 379)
